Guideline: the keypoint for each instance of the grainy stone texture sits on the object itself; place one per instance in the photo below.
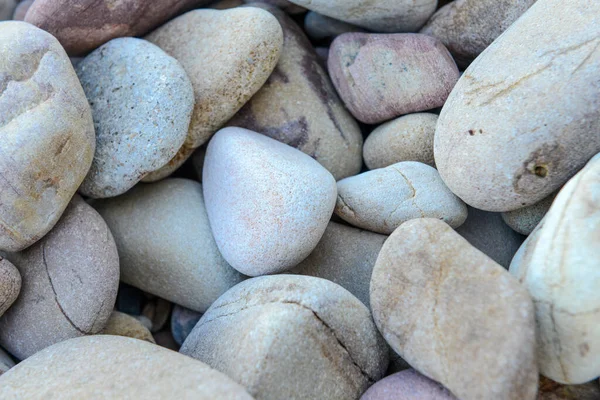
(454, 314)
(47, 134)
(380, 77)
(183, 320)
(10, 284)
(299, 107)
(142, 102)
(6, 362)
(165, 243)
(376, 15)
(6, 9)
(408, 138)
(508, 137)
(69, 284)
(105, 366)
(21, 10)
(407, 385)
(560, 266)
(285, 5)
(524, 220)
(290, 336)
(224, 77)
(320, 27)
(83, 25)
(550, 390)
(382, 199)
(268, 203)
(346, 256)
(121, 324)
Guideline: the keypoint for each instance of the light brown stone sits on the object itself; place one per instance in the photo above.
(121, 324)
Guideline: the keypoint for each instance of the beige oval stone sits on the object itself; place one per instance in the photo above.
(454, 314)
(524, 220)
(121, 324)
(10, 284)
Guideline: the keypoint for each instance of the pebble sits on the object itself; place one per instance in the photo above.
(6, 9)
(142, 102)
(454, 314)
(158, 312)
(524, 220)
(121, 324)
(407, 385)
(509, 137)
(380, 77)
(558, 264)
(69, 284)
(201, 41)
(183, 320)
(322, 28)
(268, 203)
(318, 124)
(47, 130)
(383, 199)
(115, 367)
(165, 243)
(21, 10)
(290, 336)
(408, 138)
(10, 284)
(6, 362)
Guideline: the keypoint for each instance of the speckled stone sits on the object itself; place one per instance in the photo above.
(183, 320)
(6, 362)
(550, 390)
(299, 106)
(407, 385)
(508, 137)
(7, 8)
(69, 284)
(142, 102)
(285, 5)
(454, 314)
(524, 220)
(115, 367)
(408, 138)
(383, 199)
(268, 203)
(47, 134)
(121, 324)
(10, 284)
(290, 336)
(319, 27)
(21, 10)
(380, 77)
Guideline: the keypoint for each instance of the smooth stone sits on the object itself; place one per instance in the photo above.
(550, 390)
(145, 321)
(468, 27)
(69, 284)
(158, 312)
(6, 362)
(298, 106)
(408, 138)
(142, 102)
(346, 256)
(508, 137)
(268, 203)
(105, 366)
(224, 77)
(291, 337)
(376, 15)
(166, 245)
(47, 134)
(183, 320)
(488, 233)
(10, 284)
(382, 199)
(6, 9)
(84, 25)
(285, 5)
(322, 55)
(381, 77)
(524, 220)
(454, 314)
(130, 300)
(121, 324)
(558, 264)
(320, 27)
(407, 385)
(21, 9)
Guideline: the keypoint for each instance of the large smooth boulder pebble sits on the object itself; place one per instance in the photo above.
(560, 266)
(408, 138)
(380, 77)
(454, 314)
(6, 362)
(524, 220)
(166, 245)
(69, 284)
(509, 136)
(224, 77)
(183, 321)
(121, 324)
(83, 25)
(10, 284)
(47, 134)
(299, 107)
(407, 385)
(268, 203)
(320, 27)
(285, 5)
(115, 367)
(382, 199)
(142, 102)
(550, 390)
(468, 27)
(376, 15)
(290, 336)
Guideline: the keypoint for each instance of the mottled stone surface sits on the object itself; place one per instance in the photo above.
(524, 220)
(407, 385)
(380, 77)
(69, 284)
(121, 324)
(47, 134)
(559, 265)
(508, 137)
(454, 314)
(299, 107)
(183, 320)
(10, 284)
(115, 367)
(290, 336)
(320, 27)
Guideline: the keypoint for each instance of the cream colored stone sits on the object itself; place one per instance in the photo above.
(121, 324)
